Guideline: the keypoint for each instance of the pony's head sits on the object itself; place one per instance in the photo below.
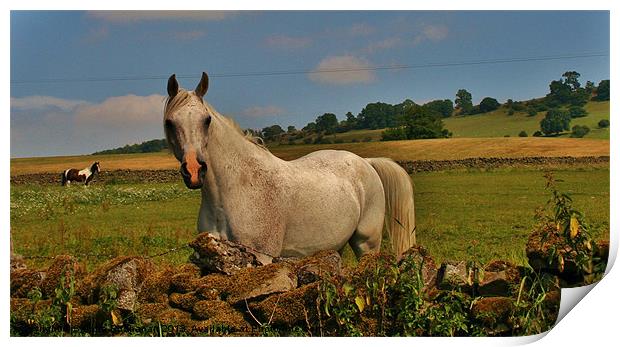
(186, 125)
(95, 167)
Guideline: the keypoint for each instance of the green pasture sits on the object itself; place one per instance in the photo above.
(498, 123)
(455, 210)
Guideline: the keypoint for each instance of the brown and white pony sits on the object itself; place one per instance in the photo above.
(321, 201)
(84, 175)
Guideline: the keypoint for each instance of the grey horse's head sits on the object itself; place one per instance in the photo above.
(186, 125)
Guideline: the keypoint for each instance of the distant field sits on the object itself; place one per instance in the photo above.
(498, 123)
(435, 149)
(453, 209)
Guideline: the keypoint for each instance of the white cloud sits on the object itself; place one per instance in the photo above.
(262, 111)
(38, 102)
(432, 33)
(121, 111)
(284, 41)
(44, 125)
(142, 16)
(390, 42)
(342, 70)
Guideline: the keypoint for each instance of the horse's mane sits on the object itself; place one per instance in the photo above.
(183, 97)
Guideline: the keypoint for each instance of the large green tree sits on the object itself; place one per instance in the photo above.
(555, 122)
(602, 91)
(567, 91)
(441, 107)
(326, 122)
(271, 133)
(417, 122)
(488, 104)
(463, 101)
(378, 115)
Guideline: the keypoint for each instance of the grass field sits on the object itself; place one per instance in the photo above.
(435, 149)
(498, 123)
(454, 209)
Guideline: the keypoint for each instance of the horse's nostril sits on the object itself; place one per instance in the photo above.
(184, 170)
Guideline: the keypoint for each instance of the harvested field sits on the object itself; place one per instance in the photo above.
(435, 149)
(412, 166)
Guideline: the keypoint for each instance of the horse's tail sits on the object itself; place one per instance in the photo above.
(63, 178)
(399, 209)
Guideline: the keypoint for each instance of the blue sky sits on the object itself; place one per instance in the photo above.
(109, 69)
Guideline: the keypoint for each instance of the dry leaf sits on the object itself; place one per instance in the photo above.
(574, 227)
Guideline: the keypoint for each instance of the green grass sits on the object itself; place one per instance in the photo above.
(97, 222)
(496, 209)
(453, 209)
(498, 123)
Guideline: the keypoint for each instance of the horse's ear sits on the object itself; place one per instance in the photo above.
(201, 88)
(173, 86)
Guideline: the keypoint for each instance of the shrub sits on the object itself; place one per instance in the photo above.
(518, 106)
(511, 112)
(488, 104)
(540, 107)
(308, 140)
(603, 123)
(555, 122)
(367, 139)
(522, 133)
(354, 140)
(537, 133)
(579, 131)
(393, 134)
(577, 112)
(531, 111)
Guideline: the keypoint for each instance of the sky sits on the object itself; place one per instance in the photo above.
(84, 81)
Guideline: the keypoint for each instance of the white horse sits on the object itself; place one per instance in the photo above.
(321, 201)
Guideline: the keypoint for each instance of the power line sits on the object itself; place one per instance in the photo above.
(317, 71)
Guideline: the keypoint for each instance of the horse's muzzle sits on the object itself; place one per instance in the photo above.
(194, 176)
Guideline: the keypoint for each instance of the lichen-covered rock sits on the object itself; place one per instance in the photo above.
(295, 307)
(86, 316)
(63, 267)
(174, 317)
(157, 285)
(602, 250)
(417, 258)
(219, 313)
(148, 312)
(455, 276)
(253, 283)
(317, 266)
(17, 261)
(493, 313)
(25, 280)
(183, 301)
(248, 284)
(499, 278)
(126, 275)
(213, 255)
(547, 250)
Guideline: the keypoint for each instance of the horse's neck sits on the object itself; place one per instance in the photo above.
(230, 154)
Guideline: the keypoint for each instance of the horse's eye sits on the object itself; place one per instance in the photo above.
(207, 121)
(169, 125)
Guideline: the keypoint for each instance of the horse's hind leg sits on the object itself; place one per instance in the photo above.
(367, 236)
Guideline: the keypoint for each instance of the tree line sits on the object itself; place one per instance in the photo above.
(408, 120)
